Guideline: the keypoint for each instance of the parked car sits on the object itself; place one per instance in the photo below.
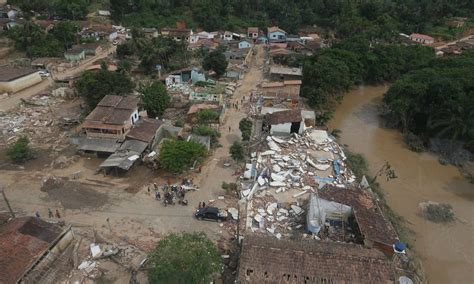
(211, 213)
(44, 73)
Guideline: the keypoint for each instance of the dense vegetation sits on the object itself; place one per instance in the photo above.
(166, 52)
(333, 71)
(94, 85)
(184, 258)
(37, 43)
(155, 98)
(178, 155)
(436, 101)
(216, 62)
(62, 9)
(343, 16)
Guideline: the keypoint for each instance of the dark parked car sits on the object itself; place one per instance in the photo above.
(211, 213)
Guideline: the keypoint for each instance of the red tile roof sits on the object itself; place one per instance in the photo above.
(284, 116)
(145, 130)
(112, 110)
(269, 260)
(22, 242)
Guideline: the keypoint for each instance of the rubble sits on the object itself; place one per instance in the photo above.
(288, 168)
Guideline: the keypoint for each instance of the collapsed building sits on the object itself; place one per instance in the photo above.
(32, 250)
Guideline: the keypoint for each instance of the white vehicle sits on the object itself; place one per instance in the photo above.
(44, 73)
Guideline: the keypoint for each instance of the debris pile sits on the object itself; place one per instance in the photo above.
(287, 170)
(35, 119)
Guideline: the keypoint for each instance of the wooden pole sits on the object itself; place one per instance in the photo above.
(8, 203)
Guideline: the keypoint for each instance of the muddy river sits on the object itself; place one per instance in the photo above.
(447, 251)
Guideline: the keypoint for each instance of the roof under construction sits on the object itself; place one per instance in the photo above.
(284, 116)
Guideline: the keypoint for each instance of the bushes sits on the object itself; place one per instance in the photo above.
(20, 152)
(237, 151)
(245, 126)
(205, 130)
(438, 212)
(178, 156)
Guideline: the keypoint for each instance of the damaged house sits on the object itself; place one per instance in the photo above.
(30, 248)
(268, 260)
(283, 122)
(374, 228)
(281, 90)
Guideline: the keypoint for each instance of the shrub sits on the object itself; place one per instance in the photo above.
(20, 152)
(237, 151)
(439, 213)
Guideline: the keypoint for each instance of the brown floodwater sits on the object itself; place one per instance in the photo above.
(446, 250)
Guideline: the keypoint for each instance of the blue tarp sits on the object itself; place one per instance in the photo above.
(337, 169)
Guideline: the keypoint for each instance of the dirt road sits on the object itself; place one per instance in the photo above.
(127, 211)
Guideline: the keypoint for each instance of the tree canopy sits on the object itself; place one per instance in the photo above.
(435, 101)
(155, 97)
(94, 85)
(184, 258)
(178, 155)
(216, 62)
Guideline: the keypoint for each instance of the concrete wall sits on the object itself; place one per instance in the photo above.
(276, 36)
(20, 83)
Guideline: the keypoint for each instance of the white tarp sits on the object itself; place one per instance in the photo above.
(320, 209)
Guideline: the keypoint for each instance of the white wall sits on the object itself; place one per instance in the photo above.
(20, 83)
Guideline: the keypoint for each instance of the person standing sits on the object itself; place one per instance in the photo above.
(50, 213)
(57, 214)
(37, 215)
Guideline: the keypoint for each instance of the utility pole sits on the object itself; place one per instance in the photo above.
(6, 201)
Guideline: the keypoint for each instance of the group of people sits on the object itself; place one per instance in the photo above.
(170, 194)
(51, 214)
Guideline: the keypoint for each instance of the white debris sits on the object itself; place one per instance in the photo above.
(133, 157)
(276, 168)
(87, 265)
(271, 207)
(277, 184)
(277, 177)
(95, 250)
(299, 194)
(271, 230)
(261, 181)
(297, 209)
(234, 213)
(278, 140)
(258, 218)
(246, 192)
(267, 153)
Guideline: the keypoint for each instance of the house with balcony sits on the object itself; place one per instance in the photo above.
(113, 117)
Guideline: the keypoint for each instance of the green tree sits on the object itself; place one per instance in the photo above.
(206, 116)
(178, 156)
(124, 66)
(184, 258)
(65, 32)
(215, 61)
(245, 126)
(20, 152)
(94, 85)
(237, 151)
(205, 130)
(155, 97)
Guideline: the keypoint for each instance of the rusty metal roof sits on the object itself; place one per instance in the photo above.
(144, 130)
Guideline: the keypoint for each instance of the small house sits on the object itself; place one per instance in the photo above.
(203, 140)
(13, 80)
(75, 54)
(423, 39)
(281, 73)
(284, 122)
(281, 90)
(113, 117)
(91, 49)
(252, 33)
(150, 32)
(276, 34)
(245, 44)
(177, 34)
(227, 36)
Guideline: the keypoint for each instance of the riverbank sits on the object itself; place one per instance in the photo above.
(445, 250)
